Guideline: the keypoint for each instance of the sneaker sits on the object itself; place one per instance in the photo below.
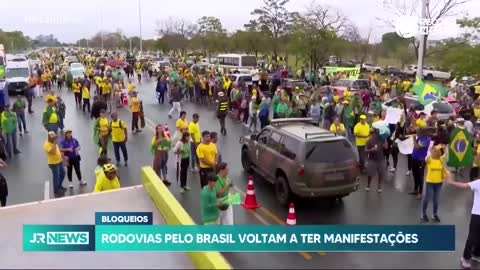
(118, 163)
(182, 190)
(435, 218)
(187, 188)
(245, 125)
(83, 183)
(465, 263)
(20, 134)
(169, 117)
(379, 190)
(424, 219)
(367, 189)
(167, 183)
(26, 131)
(413, 193)
(476, 258)
(392, 170)
(70, 185)
(16, 152)
(125, 163)
(408, 173)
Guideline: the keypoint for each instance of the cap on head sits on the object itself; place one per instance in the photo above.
(221, 94)
(109, 168)
(363, 117)
(68, 131)
(460, 120)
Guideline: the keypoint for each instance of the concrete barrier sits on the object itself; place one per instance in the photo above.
(175, 214)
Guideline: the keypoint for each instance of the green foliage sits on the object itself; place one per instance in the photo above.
(14, 41)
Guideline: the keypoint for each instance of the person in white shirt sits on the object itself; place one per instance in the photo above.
(472, 246)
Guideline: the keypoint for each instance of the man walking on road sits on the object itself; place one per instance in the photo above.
(176, 97)
(135, 108)
(207, 155)
(19, 109)
(118, 129)
(222, 111)
(362, 133)
(194, 130)
(55, 162)
(50, 119)
(9, 128)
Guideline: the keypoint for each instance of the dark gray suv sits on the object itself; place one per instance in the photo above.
(302, 159)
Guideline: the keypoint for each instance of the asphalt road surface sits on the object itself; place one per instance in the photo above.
(28, 172)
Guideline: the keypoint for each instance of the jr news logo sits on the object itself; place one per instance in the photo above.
(61, 238)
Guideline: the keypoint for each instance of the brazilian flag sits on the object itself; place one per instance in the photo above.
(460, 149)
(426, 92)
(2, 72)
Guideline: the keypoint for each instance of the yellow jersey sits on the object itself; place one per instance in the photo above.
(208, 152)
(55, 158)
(103, 126)
(106, 88)
(85, 93)
(118, 130)
(104, 184)
(435, 169)
(362, 130)
(135, 104)
(182, 124)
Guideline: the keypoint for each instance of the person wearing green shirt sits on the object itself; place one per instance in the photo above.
(275, 102)
(182, 151)
(282, 109)
(50, 117)
(222, 188)
(377, 105)
(19, 109)
(9, 129)
(209, 205)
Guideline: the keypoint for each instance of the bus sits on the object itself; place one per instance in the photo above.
(237, 62)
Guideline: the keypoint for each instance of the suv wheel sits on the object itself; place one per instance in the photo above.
(246, 163)
(429, 77)
(378, 71)
(282, 190)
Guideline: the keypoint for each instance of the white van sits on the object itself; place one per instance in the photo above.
(17, 74)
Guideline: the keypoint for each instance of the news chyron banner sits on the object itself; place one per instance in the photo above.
(115, 231)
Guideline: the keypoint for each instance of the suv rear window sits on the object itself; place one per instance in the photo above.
(329, 151)
(442, 107)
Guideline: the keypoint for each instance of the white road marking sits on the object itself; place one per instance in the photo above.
(46, 194)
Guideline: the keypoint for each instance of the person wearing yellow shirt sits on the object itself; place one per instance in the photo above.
(130, 86)
(420, 122)
(107, 93)
(207, 156)
(44, 77)
(118, 129)
(136, 108)
(337, 127)
(117, 91)
(77, 91)
(107, 180)
(102, 132)
(50, 117)
(436, 174)
(182, 123)
(406, 85)
(361, 131)
(55, 162)
(86, 98)
(195, 140)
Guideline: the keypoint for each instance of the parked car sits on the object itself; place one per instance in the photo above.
(246, 78)
(302, 160)
(372, 68)
(391, 70)
(354, 85)
(429, 73)
(159, 66)
(290, 84)
(445, 110)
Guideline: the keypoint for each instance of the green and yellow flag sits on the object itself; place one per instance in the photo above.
(460, 149)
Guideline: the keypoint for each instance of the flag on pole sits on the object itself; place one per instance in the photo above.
(460, 149)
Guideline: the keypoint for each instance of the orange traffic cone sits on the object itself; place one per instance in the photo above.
(250, 199)
(291, 218)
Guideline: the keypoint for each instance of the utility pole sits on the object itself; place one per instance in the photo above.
(101, 25)
(423, 40)
(140, 25)
(130, 44)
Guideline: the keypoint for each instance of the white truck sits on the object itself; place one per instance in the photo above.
(17, 74)
(429, 73)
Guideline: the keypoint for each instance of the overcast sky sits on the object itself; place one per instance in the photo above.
(71, 20)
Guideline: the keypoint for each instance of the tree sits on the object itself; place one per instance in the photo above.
(472, 25)
(360, 46)
(209, 35)
(391, 41)
(14, 41)
(275, 19)
(436, 11)
(317, 34)
(175, 34)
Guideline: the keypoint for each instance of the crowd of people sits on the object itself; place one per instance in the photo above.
(350, 113)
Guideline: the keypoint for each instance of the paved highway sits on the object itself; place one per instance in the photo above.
(28, 172)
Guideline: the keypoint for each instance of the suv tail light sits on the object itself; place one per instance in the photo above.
(301, 171)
